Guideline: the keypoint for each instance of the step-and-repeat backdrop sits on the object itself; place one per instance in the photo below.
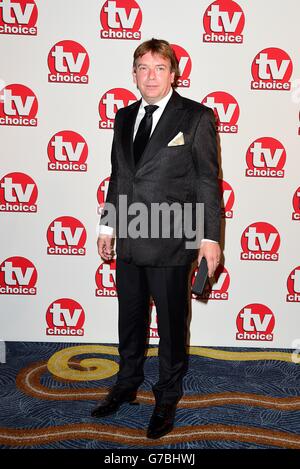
(65, 70)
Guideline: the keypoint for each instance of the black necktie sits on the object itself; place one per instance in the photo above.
(143, 132)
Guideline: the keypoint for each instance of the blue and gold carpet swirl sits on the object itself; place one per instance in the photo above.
(234, 399)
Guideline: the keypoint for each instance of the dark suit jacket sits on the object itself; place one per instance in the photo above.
(183, 173)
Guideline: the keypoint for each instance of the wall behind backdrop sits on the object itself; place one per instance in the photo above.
(65, 70)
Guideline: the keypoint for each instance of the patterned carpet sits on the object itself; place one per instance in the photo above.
(234, 399)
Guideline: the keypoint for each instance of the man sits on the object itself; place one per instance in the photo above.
(164, 151)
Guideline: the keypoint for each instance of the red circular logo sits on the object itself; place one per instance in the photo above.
(18, 17)
(223, 21)
(67, 151)
(271, 70)
(121, 19)
(68, 62)
(185, 65)
(255, 322)
(260, 241)
(265, 157)
(66, 236)
(226, 110)
(227, 195)
(18, 276)
(105, 279)
(293, 285)
(110, 103)
(18, 106)
(217, 290)
(65, 317)
(296, 204)
(18, 193)
(101, 194)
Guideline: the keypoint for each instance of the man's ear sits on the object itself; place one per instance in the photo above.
(134, 75)
(172, 77)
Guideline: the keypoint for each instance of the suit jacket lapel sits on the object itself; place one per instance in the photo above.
(166, 128)
(127, 134)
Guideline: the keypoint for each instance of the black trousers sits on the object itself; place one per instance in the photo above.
(169, 288)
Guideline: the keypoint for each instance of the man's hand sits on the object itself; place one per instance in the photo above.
(105, 245)
(212, 253)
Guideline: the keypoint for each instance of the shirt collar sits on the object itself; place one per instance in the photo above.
(161, 103)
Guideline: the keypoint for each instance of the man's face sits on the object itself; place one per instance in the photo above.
(153, 77)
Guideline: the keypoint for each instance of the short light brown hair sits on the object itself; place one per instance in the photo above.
(160, 47)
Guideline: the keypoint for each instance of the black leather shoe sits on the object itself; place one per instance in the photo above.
(112, 403)
(162, 421)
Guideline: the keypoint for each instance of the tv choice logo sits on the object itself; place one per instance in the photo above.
(271, 70)
(18, 17)
(227, 195)
(18, 276)
(217, 290)
(224, 21)
(18, 193)
(226, 110)
(68, 62)
(120, 19)
(65, 317)
(255, 322)
(260, 241)
(18, 106)
(67, 151)
(66, 236)
(110, 103)
(296, 205)
(106, 279)
(293, 286)
(101, 194)
(266, 157)
(185, 65)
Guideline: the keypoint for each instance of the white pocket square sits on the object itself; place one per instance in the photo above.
(177, 140)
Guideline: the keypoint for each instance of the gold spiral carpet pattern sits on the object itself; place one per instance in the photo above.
(66, 377)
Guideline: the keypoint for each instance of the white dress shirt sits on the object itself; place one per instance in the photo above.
(102, 229)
